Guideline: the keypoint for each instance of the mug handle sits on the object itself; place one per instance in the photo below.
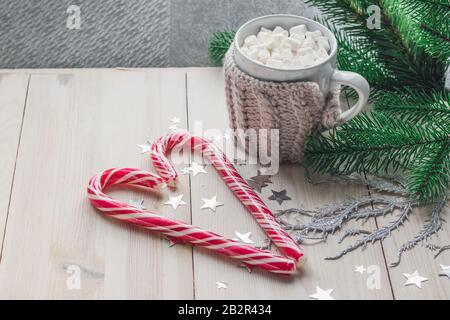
(357, 82)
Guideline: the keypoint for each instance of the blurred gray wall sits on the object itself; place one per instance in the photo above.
(122, 33)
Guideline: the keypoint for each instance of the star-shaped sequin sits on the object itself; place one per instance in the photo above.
(322, 294)
(175, 201)
(196, 168)
(244, 237)
(258, 182)
(279, 196)
(255, 185)
(414, 279)
(211, 204)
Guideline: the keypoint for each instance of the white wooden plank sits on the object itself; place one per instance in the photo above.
(13, 90)
(76, 125)
(420, 258)
(206, 101)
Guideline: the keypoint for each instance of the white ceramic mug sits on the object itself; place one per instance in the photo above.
(323, 73)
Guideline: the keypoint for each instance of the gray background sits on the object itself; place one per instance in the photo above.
(123, 33)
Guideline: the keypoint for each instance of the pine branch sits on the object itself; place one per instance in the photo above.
(429, 176)
(372, 143)
(373, 53)
(416, 106)
(218, 45)
(424, 29)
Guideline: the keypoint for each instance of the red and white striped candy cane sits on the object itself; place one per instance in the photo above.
(232, 178)
(174, 229)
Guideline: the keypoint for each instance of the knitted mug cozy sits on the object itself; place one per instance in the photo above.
(296, 109)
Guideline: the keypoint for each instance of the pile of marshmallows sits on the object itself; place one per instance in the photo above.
(296, 48)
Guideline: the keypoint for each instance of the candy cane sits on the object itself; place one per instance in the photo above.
(174, 229)
(232, 178)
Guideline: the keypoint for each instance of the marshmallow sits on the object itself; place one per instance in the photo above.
(278, 39)
(313, 34)
(300, 37)
(286, 54)
(322, 42)
(250, 41)
(276, 50)
(321, 54)
(294, 43)
(286, 48)
(305, 51)
(274, 63)
(308, 60)
(308, 43)
(252, 53)
(263, 36)
(297, 63)
(276, 56)
(286, 64)
(263, 55)
(269, 43)
(299, 30)
(280, 30)
(258, 46)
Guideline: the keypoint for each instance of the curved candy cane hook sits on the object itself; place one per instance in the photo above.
(232, 178)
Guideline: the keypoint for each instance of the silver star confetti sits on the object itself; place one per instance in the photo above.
(137, 204)
(222, 285)
(175, 120)
(258, 182)
(360, 269)
(175, 201)
(322, 294)
(244, 237)
(145, 147)
(445, 271)
(262, 178)
(279, 196)
(173, 127)
(211, 203)
(255, 185)
(414, 279)
(195, 169)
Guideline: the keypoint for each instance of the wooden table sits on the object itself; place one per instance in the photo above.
(59, 127)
